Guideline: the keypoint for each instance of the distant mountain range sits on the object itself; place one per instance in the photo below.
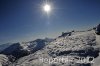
(79, 44)
(25, 48)
(71, 44)
(4, 46)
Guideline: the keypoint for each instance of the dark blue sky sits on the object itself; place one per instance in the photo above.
(23, 20)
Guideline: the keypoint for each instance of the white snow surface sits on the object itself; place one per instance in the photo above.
(76, 42)
(4, 60)
(97, 60)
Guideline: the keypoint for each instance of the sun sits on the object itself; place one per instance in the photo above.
(47, 8)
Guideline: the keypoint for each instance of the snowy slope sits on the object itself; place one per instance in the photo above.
(35, 45)
(79, 44)
(22, 49)
(4, 60)
(15, 50)
(97, 60)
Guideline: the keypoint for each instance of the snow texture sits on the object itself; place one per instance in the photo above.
(78, 44)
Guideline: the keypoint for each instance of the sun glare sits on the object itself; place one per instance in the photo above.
(47, 8)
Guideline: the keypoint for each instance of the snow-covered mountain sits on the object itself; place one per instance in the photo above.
(4, 61)
(4, 46)
(79, 45)
(25, 48)
(15, 50)
(35, 45)
(75, 48)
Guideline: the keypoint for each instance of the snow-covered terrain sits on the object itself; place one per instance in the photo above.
(75, 48)
(35, 45)
(70, 47)
(19, 50)
(97, 60)
(4, 61)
